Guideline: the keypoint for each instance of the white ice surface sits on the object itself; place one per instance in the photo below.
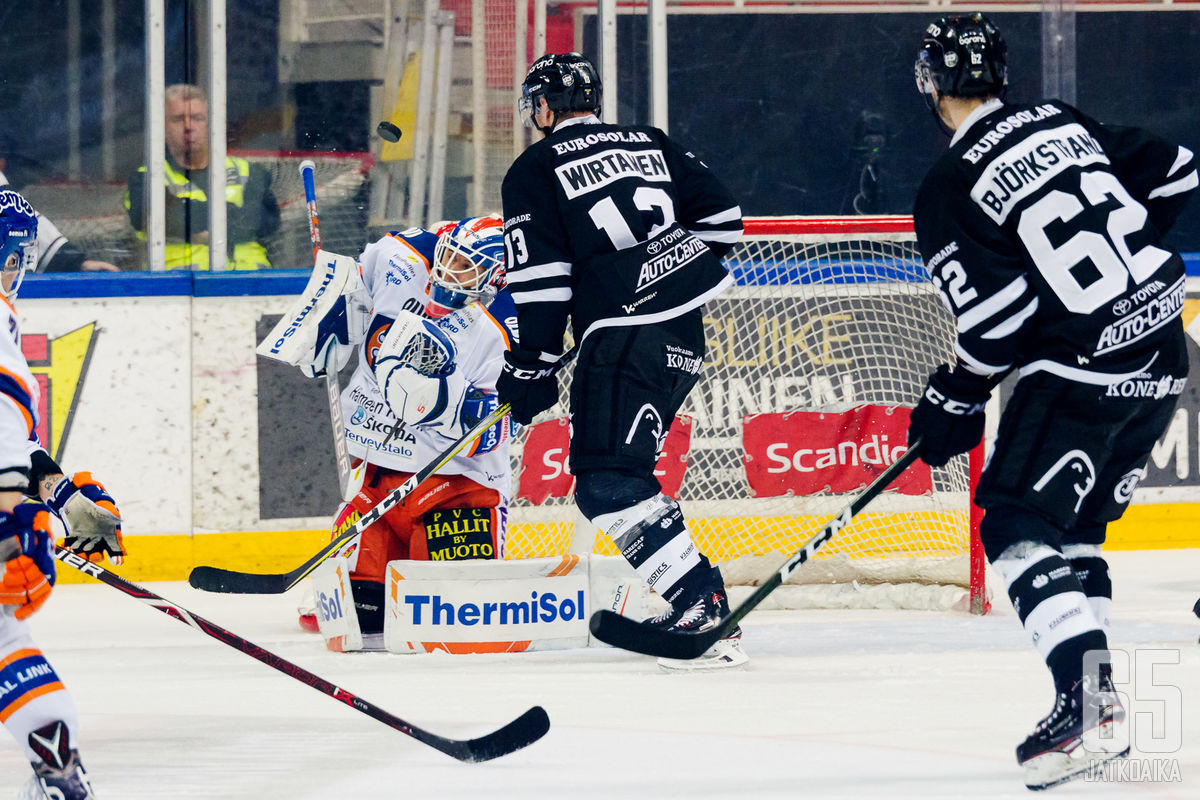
(833, 704)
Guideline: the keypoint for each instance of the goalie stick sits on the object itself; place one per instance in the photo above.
(215, 579)
(637, 637)
(521, 732)
(333, 391)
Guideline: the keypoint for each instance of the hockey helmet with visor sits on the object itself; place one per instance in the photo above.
(468, 265)
(567, 81)
(18, 241)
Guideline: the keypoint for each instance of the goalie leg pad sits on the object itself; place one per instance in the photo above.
(329, 315)
(487, 606)
(337, 609)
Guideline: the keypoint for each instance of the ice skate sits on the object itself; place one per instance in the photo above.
(1067, 744)
(58, 774)
(703, 615)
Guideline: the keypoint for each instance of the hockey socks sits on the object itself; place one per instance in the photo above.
(1047, 595)
(1092, 571)
(654, 539)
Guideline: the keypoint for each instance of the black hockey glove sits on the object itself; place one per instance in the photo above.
(528, 384)
(949, 417)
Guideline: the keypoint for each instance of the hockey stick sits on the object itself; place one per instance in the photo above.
(628, 634)
(333, 392)
(521, 732)
(215, 579)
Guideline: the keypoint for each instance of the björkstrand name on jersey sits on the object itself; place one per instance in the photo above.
(588, 174)
(1019, 172)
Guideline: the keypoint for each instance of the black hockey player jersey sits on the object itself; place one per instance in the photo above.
(1041, 229)
(612, 225)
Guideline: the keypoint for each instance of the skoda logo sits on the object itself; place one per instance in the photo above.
(1121, 307)
(653, 247)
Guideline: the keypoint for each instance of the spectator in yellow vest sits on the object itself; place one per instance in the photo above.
(251, 209)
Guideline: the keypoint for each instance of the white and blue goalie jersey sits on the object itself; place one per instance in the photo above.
(1055, 263)
(395, 272)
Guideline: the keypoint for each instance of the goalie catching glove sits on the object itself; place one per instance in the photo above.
(90, 516)
(27, 564)
(949, 417)
(528, 384)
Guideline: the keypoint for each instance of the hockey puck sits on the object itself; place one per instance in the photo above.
(388, 132)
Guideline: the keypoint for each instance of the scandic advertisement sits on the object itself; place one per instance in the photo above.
(545, 472)
(809, 452)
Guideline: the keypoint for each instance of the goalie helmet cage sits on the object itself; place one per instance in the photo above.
(827, 314)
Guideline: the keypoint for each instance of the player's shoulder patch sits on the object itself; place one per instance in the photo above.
(503, 312)
(418, 240)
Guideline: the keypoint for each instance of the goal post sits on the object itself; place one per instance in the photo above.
(814, 359)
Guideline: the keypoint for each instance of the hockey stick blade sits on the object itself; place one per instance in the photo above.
(215, 579)
(637, 637)
(521, 732)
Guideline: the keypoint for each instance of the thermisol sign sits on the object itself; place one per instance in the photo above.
(486, 606)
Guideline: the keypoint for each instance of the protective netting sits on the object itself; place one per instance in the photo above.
(92, 214)
(821, 320)
(342, 186)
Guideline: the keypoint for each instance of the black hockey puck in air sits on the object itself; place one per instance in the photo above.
(388, 132)
(1196, 608)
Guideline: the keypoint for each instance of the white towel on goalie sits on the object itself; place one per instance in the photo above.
(395, 272)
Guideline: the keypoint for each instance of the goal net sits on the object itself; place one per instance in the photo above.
(813, 361)
(342, 186)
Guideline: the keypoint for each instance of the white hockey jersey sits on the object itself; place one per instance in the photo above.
(395, 272)
(19, 396)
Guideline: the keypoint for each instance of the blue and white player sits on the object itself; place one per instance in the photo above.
(34, 706)
(430, 322)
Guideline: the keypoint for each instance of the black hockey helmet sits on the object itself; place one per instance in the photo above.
(568, 82)
(962, 57)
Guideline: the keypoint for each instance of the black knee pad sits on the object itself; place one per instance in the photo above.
(1086, 533)
(1005, 525)
(604, 491)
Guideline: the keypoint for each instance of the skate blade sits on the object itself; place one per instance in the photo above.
(1051, 769)
(725, 654)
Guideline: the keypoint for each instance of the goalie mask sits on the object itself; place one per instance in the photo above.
(468, 265)
(961, 57)
(18, 241)
(567, 81)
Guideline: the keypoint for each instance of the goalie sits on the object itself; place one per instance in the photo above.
(430, 348)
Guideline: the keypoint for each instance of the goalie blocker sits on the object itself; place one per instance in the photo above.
(480, 606)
